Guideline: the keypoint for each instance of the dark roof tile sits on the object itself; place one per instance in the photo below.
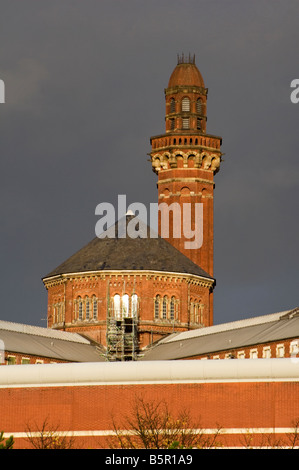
(126, 254)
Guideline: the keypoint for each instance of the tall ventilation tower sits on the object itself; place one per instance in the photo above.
(186, 158)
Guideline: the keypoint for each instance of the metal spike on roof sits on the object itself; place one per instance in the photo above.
(186, 60)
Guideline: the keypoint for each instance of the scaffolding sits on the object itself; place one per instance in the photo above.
(121, 334)
(122, 340)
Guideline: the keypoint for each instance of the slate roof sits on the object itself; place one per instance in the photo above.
(228, 336)
(125, 254)
(44, 342)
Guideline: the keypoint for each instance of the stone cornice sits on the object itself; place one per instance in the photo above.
(149, 275)
(186, 89)
(186, 180)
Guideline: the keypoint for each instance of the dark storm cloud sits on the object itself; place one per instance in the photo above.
(85, 91)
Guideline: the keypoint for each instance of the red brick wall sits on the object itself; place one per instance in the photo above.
(32, 358)
(146, 286)
(248, 349)
(235, 406)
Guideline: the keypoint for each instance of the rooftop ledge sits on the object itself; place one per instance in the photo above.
(151, 372)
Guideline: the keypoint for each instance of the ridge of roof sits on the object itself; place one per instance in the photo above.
(269, 328)
(41, 331)
(234, 325)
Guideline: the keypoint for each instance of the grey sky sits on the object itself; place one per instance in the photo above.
(85, 91)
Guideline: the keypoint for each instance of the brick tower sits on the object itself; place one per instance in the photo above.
(128, 292)
(186, 158)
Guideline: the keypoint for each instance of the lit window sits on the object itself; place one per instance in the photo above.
(185, 104)
(125, 305)
(241, 355)
(266, 352)
(280, 350)
(294, 347)
(116, 306)
(253, 354)
(134, 302)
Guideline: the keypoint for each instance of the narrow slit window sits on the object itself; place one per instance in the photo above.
(80, 309)
(157, 307)
(199, 106)
(87, 308)
(95, 308)
(164, 311)
(172, 308)
(185, 123)
(172, 105)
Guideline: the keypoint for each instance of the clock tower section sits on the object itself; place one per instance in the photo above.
(186, 158)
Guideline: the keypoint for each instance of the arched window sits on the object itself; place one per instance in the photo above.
(195, 313)
(172, 124)
(172, 105)
(87, 308)
(172, 303)
(185, 104)
(192, 311)
(125, 305)
(198, 124)
(94, 307)
(157, 307)
(116, 305)
(134, 305)
(199, 106)
(201, 319)
(80, 308)
(164, 308)
(60, 312)
(54, 313)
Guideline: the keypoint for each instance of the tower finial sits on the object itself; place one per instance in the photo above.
(186, 60)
